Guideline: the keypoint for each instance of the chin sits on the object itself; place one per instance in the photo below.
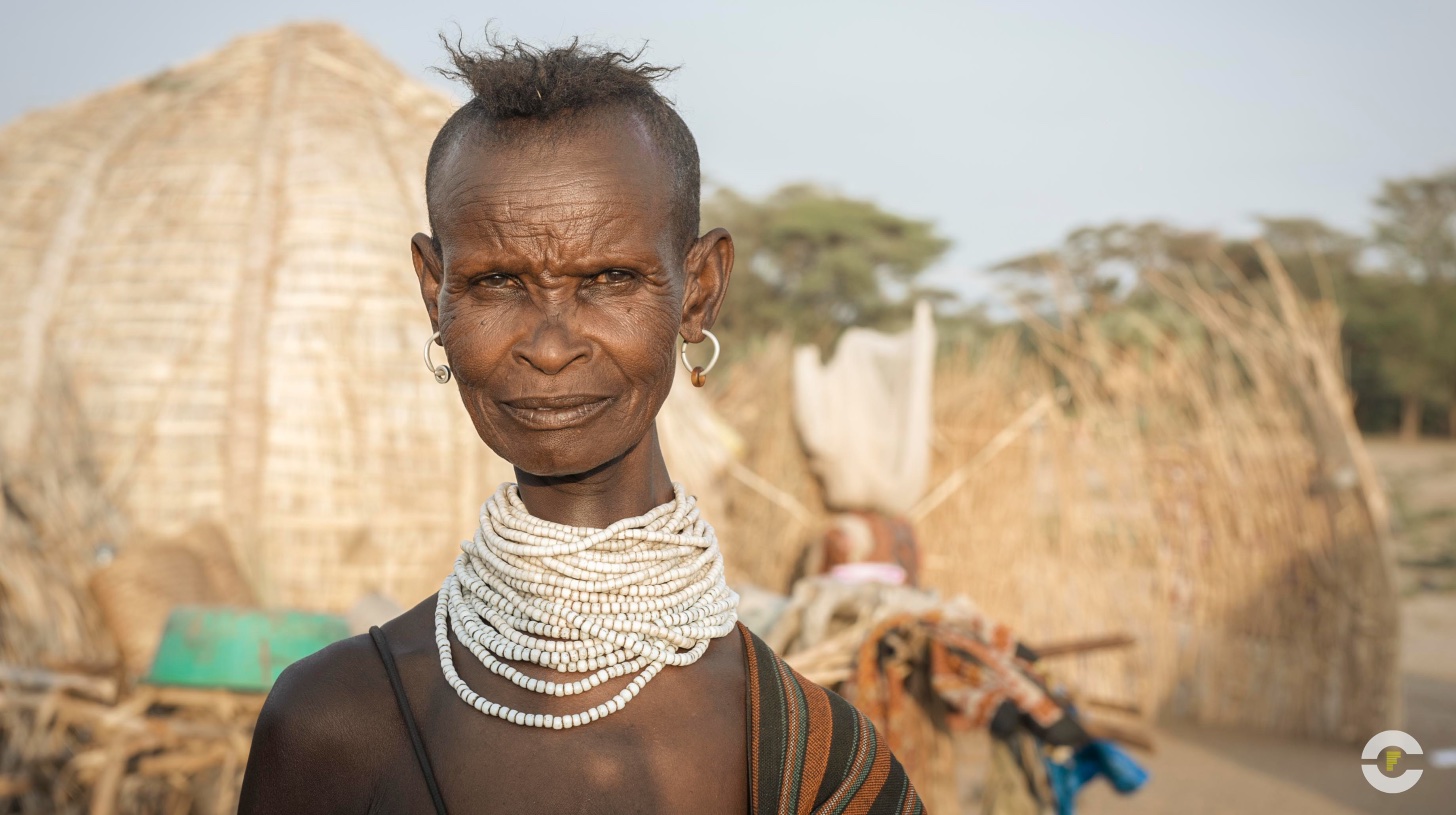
(563, 453)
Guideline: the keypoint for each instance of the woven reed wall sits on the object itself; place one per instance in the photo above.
(217, 258)
(1206, 492)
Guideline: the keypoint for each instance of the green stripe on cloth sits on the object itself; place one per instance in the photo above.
(789, 719)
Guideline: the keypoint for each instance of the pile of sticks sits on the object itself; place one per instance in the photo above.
(78, 743)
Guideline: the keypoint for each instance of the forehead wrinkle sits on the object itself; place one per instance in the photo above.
(516, 201)
(557, 221)
(534, 203)
(589, 243)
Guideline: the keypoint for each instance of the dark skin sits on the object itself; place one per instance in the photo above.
(559, 287)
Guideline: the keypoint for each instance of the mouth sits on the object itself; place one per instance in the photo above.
(554, 412)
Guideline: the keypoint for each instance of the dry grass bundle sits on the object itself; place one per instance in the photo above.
(1202, 488)
(57, 517)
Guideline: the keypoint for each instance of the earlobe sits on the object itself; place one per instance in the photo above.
(709, 266)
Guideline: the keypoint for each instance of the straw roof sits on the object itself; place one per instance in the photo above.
(215, 260)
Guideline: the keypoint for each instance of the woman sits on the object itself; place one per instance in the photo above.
(560, 668)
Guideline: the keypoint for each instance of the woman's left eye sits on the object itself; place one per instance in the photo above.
(615, 276)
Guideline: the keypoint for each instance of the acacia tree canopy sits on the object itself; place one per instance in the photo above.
(813, 262)
(1399, 300)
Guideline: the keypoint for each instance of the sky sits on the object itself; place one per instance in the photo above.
(1007, 124)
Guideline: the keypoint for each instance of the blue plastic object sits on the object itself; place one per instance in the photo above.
(1096, 758)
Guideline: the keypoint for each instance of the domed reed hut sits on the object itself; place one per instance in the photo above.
(212, 264)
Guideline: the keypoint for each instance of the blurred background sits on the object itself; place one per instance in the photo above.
(1153, 309)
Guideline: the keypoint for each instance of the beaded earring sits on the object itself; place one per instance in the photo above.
(700, 373)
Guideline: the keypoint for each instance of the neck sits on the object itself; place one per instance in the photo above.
(624, 487)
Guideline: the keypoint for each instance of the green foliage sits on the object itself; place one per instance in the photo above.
(1417, 226)
(1406, 318)
(1399, 300)
(1097, 267)
(812, 262)
(1320, 259)
(1393, 320)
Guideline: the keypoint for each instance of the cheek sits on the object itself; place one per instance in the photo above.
(479, 338)
(645, 341)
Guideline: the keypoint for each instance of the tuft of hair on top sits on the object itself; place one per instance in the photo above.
(518, 80)
(515, 83)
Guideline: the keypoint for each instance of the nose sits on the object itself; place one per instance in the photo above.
(552, 344)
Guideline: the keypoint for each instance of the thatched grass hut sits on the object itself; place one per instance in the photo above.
(213, 262)
(215, 258)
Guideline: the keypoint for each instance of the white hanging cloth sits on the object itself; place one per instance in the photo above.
(865, 416)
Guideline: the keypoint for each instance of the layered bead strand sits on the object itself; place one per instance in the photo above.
(639, 595)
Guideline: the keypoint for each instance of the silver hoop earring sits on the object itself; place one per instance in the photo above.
(441, 372)
(700, 374)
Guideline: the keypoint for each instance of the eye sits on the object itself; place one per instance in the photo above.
(495, 280)
(615, 276)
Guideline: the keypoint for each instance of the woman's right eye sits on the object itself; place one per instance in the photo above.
(494, 281)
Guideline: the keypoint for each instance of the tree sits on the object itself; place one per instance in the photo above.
(1321, 260)
(1096, 267)
(1416, 229)
(1417, 226)
(813, 262)
(1392, 331)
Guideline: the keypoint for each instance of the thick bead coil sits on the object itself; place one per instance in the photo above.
(639, 595)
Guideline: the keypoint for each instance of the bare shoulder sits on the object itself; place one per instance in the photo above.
(322, 695)
(321, 724)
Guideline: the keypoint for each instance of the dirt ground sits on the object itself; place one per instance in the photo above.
(1208, 772)
(1421, 482)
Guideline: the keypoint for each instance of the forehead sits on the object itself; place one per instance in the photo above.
(554, 189)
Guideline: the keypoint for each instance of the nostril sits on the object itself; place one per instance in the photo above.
(552, 348)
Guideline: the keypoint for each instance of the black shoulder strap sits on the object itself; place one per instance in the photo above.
(387, 656)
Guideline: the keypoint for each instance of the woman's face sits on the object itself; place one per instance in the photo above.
(560, 287)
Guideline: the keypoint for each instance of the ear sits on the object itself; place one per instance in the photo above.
(431, 272)
(708, 266)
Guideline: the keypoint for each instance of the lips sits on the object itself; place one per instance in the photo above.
(554, 412)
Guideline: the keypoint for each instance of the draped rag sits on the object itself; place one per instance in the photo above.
(811, 752)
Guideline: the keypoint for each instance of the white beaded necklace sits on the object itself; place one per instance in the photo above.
(640, 594)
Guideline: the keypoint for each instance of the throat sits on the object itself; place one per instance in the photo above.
(624, 487)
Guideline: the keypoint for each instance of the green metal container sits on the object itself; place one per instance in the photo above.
(237, 648)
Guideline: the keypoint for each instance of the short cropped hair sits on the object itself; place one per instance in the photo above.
(514, 85)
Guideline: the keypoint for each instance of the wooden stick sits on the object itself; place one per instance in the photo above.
(108, 784)
(13, 786)
(1067, 647)
(771, 491)
(999, 442)
(1128, 708)
(224, 702)
(98, 688)
(185, 761)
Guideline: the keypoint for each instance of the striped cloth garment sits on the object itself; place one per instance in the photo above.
(813, 753)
